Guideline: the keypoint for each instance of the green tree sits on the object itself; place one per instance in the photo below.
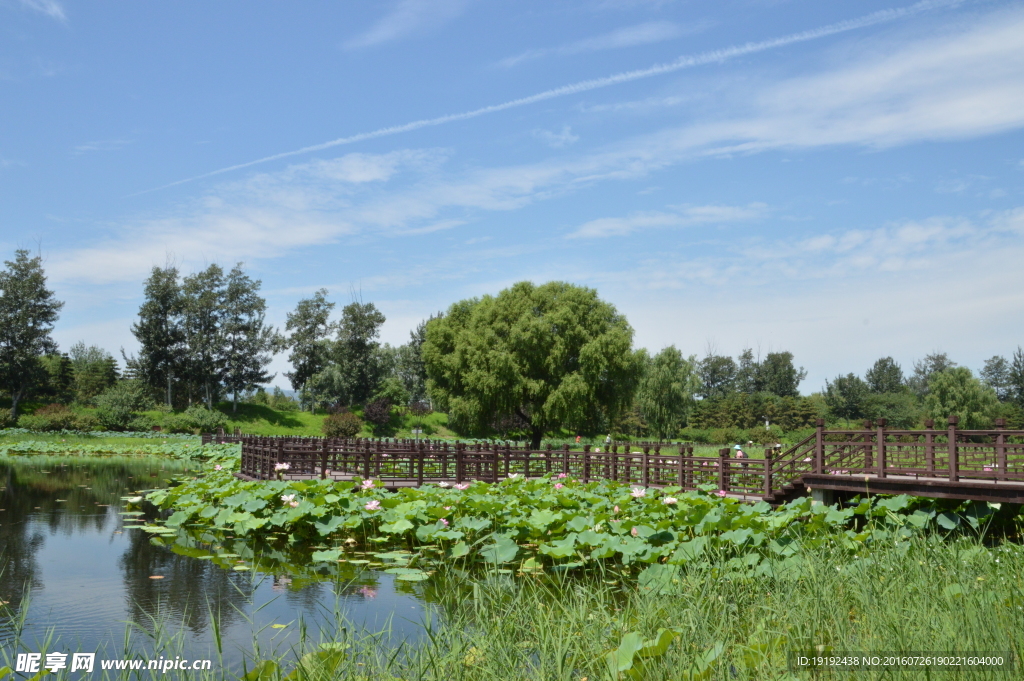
(95, 370)
(555, 355)
(779, 376)
(899, 409)
(27, 312)
(1016, 377)
(249, 343)
(667, 390)
(748, 372)
(60, 378)
(356, 351)
(203, 308)
(846, 396)
(996, 375)
(884, 376)
(924, 369)
(309, 329)
(717, 376)
(956, 392)
(161, 335)
(120, 404)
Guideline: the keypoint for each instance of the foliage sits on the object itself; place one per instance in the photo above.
(174, 450)
(120, 405)
(95, 370)
(420, 408)
(342, 424)
(885, 376)
(50, 417)
(555, 354)
(378, 413)
(554, 522)
(309, 326)
(28, 311)
(356, 351)
(666, 392)
(846, 396)
(779, 376)
(198, 418)
(159, 331)
(749, 411)
(275, 400)
(1006, 377)
(900, 409)
(717, 376)
(924, 369)
(956, 392)
(7, 420)
(247, 342)
(59, 383)
(392, 388)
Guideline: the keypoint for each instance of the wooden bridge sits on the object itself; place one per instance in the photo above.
(986, 465)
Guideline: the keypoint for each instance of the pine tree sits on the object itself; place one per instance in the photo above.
(161, 359)
(203, 308)
(248, 343)
(28, 311)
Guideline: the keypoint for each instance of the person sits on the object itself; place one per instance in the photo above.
(577, 439)
(740, 454)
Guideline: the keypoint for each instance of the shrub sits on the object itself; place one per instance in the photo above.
(342, 424)
(141, 423)
(51, 417)
(118, 406)
(197, 418)
(421, 408)
(6, 419)
(86, 423)
(34, 423)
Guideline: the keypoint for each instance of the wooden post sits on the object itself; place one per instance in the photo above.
(323, 462)
(645, 461)
(458, 463)
(869, 458)
(681, 466)
(419, 465)
(495, 456)
(767, 472)
(1000, 450)
(954, 463)
(880, 445)
(586, 467)
(819, 446)
(723, 461)
(565, 458)
(280, 451)
(929, 447)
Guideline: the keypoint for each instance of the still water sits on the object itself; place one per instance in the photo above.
(73, 573)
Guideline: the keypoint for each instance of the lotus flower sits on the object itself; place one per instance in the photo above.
(373, 505)
(294, 504)
(616, 509)
(634, 532)
(367, 592)
(217, 467)
(563, 475)
(444, 522)
(668, 501)
(721, 492)
(367, 484)
(287, 498)
(559, 486)
(282, 466)
(443, 484)
(639, 492)
(462, 485)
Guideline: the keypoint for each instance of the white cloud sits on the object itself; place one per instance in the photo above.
(50, 8)
(408, 17)
(101, 145)
(628, 36)
(685, 216)
(557, 140)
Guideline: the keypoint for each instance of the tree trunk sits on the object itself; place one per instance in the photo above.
(234, 403)
(536, 437)
(15, 398)
(170, 403)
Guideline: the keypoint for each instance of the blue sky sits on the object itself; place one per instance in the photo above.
(844, 180)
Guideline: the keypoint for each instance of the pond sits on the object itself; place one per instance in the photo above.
(74, 572)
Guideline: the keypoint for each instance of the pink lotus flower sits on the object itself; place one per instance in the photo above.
(282, 466)
(447, 508)
(559, 486)
(563, 475)
(373, 505)
(721, 492)
(367, 484)
(639, 492)
(287, 498)
(294, 504)
(444, 522)
(462, 485)
(669, 500)
(616, 509)
(217, 467)
(634, 532)
(367, 592)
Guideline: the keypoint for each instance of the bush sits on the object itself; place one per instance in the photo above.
(6, 419)
(50, 417)
(420, 408)
(343, 424)
(86, 423)
(197, 418)
(118, 406)
(141, 423)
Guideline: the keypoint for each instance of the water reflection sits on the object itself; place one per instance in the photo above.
(65, 544)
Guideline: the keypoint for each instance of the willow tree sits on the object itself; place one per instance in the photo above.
(667, 390)
(554, 355)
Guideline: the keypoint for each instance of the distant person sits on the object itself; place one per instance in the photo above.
(577, 439)
(608, 441)
(740, 454)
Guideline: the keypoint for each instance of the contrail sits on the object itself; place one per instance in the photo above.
(684, 62)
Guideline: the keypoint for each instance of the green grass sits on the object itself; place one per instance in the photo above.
(81, 439)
